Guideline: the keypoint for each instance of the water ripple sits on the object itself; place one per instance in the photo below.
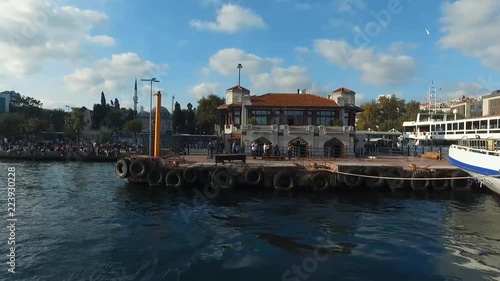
(77, 221)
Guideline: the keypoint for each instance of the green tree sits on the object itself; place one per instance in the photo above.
(178, 121)
(207, 115)
(33, 126)
(100, 112)
(74, 122)
(386, 113)
(11, 124)
(103, 99)
(189, 116)
(28, 106)
(116, 119)
(134, 126)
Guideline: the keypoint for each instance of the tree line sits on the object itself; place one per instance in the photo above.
(27, 117)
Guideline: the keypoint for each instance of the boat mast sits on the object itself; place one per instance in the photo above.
(432, 95)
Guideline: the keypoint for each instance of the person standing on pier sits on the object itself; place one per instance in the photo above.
(254, 146)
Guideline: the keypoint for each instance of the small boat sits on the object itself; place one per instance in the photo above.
(480, 158)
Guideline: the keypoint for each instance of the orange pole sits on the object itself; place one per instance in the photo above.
(157, 125)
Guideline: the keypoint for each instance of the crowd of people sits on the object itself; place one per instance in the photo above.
(41, 147)
(264, 149)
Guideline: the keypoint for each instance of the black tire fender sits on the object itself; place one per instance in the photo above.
(284, 181)
(138, 168)
(417, 184)
(174, 178)
(320, 182)
(254, 177)
(190, 175)
(122, 168)
(438, 183)
(156, 177)
(222, 179)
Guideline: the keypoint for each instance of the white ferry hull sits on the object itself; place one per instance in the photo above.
(483, 167)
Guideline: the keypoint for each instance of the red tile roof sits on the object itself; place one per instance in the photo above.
(292, 100)
(343, 90)
(238, 88)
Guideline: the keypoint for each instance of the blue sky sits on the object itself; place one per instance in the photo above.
(66, 52)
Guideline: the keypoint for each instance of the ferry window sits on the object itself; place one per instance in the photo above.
(455, 126)
(475, 124)
(461, 126)
(433, 128)
(484, 124)
(448, 126)
(493, 124)
(468, 125)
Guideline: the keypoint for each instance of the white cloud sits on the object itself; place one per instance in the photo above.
(375, 68)
(401, 47)
(34, 32)
(231, 19)
(265, 74)
(302, 50)
(205, 89)
(102, 40)
(469, 26)
(455, 91)
(285, 80)
(349, 6)
(226, 60)
(111, 75)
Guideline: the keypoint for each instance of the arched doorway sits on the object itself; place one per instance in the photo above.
(260, 142)
(299, 147)
(335, 147)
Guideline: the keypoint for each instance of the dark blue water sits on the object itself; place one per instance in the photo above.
(78, 221)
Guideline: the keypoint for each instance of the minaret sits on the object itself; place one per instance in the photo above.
(135, 96)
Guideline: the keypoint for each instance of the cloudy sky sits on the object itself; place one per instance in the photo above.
(67, 52)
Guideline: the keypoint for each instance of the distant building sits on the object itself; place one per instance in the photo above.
(306, 121)
(166, 120)
(491, 103)
(4, 103)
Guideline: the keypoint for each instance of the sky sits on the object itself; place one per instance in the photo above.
(66, 52)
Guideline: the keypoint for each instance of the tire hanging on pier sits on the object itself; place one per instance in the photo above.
(223, 179)
(138, 168)
(155, 177)
(122, 168)
(378, 181)
(397, 182)
(354, 180)
(190, 175)
(204, 176)
(254, 177)
(461, 183)
(174, 179)
(440, 181)
(284, 181)
(320, 182)
(418, 181)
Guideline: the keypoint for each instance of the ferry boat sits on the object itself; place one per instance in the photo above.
(480, 158)
(435, 128)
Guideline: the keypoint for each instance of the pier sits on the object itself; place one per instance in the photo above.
(233, 171)
(299, 174)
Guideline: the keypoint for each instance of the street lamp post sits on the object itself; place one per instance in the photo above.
(239, 73)
(150, 109)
